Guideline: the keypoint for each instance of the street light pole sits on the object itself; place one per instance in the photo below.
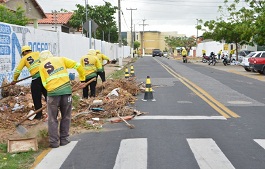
(131, 31)
(143, 37)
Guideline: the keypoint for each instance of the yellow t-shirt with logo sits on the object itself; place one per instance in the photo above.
(55, 77)
(32, 62)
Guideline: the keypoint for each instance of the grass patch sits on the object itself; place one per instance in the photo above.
(76, 101)
(17, 160)
(118, 74)
(23, 160)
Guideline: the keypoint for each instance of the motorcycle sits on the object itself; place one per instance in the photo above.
(212, 59)
(205, 59)
(225, 60)
(185, 60)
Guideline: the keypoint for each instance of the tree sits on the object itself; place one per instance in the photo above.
(103, 15)
(241, 26)
(187, 42)
(17, 17)
(136, 45)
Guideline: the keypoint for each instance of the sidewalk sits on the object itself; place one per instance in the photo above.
(111, 68)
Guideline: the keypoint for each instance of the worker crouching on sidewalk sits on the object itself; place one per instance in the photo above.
(31, 61)
(91, 65)
(55, 78)
(101, 72)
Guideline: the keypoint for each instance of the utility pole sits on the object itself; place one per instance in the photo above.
(197, 33)
(131, 31)
(89, 27)
(119, 18)
(143, 52)
(55, 19)
(86, 16)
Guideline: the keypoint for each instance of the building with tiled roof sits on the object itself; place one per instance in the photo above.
(55, 21)
(32, 9)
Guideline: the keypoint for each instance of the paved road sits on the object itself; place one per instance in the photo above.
(202, 118)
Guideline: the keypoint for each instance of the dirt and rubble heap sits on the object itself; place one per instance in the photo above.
(116, 96)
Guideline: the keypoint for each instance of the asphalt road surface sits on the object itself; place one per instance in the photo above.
(203, 117)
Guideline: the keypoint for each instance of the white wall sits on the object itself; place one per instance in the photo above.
(13, 37)
(215, 47)
(209, 47)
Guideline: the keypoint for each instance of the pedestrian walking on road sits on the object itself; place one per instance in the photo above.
(31, 61)
(101, 72)
(91, 65)
(55, 78)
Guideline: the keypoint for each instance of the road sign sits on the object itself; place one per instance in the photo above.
(94, 26)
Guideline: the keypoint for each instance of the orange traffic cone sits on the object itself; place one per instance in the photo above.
(132, 71)
(148, 95)
(127, 73)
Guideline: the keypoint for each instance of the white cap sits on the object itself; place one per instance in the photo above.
(92, 52)
(45, 55)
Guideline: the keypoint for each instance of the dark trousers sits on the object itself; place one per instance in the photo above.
(102, 76)
(37, 90)
(64, 103)
(92, 87)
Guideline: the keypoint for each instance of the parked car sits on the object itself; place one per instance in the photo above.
(242, 54)
(245, 62)
(257, 63)
(247, 59)
(156, 52)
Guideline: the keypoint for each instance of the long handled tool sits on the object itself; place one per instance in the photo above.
(16, 81)
(22, 130)
(128, 124)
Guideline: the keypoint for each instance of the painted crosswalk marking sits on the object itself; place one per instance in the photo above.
(180, 118)
(261, 142)
(208, 154)
(132, 154)
(55, 158)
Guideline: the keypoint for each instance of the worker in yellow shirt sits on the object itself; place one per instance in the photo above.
(31, 61)
(184, 55)
(101, 72)
(203, 52)
(91, 65)
(232, 51)
(219, 53)
(55, 78)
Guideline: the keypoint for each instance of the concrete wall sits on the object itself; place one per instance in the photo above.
(13, 37)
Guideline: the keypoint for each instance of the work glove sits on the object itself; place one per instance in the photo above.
(13, 82)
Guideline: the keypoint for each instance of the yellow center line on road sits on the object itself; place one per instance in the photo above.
(216, 105)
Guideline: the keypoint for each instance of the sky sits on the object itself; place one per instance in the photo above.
(156, 15)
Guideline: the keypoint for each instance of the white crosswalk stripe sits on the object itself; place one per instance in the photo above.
(132, 154)
(208, 154)
(55, 158)
(261, 142)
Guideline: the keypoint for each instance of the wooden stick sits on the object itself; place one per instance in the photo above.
(128, 124)
(16, 81)
(84, 84)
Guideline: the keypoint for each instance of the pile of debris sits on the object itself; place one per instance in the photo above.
(115, 98)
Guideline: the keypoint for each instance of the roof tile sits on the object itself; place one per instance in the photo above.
(62, 18)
